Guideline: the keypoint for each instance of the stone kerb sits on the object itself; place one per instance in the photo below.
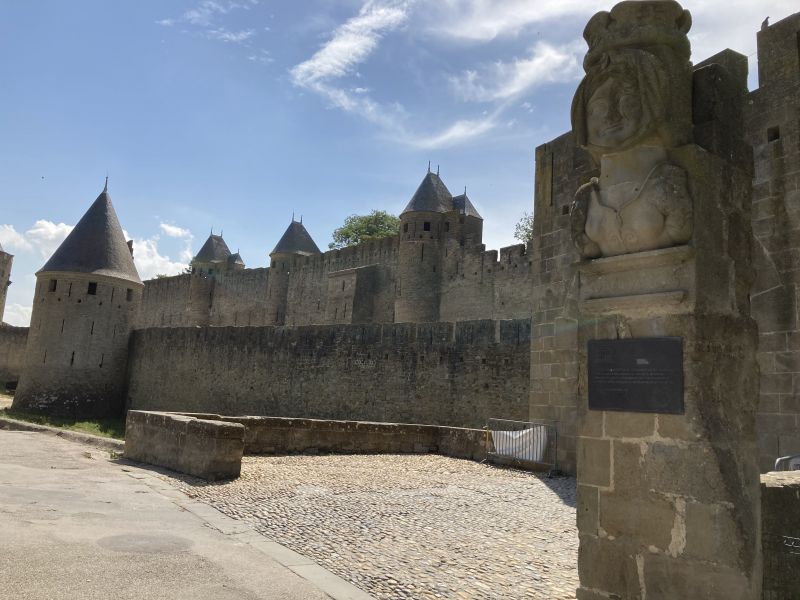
(209, 449)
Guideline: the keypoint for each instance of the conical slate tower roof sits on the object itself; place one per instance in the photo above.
(432, 195)
(464, 206)
(214, 250)
(296, 240)
(95, 245)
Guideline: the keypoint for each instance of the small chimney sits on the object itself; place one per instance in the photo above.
(130, 247)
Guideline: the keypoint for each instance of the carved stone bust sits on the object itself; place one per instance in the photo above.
(631, 107)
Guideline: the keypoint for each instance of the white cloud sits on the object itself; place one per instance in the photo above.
(166, 22)
(204, 12)
(175, 231)
(46, 236)
(18, 315)
(236, 37)
(458, 132)
(503, 80)
(11, 239)
(351, 43)
(262, 56)
(150, 263)
(485, 20)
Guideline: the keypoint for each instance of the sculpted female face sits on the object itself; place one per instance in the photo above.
(613, 114)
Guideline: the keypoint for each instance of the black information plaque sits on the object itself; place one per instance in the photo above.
(636, 375)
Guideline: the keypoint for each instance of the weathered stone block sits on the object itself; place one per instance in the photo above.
(609, 566)
(587, 508)
(629, 424)
(648, 519)
(667, 578)
(594, 461)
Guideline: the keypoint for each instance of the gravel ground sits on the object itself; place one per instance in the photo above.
(419, 526)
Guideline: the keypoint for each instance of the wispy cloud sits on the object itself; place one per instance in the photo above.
(204, 15)
(350, 45)
(485, 20)
(204, 12)
(459, 132)
(235, 37)
(504, 80)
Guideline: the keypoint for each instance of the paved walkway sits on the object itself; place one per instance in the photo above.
(74, 524)
(416, 527)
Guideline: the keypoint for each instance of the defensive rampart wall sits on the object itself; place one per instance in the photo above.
(441, 374)
(12, 353)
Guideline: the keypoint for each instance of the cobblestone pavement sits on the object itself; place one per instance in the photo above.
(421, 526)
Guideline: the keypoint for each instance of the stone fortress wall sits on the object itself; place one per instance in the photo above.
(771, 118)
(355, 285)
(432, 373)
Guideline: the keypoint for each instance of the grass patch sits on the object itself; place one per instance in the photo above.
(112, 428)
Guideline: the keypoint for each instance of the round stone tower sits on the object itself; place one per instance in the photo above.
(87, 296)
(422, 229)
(296, 242)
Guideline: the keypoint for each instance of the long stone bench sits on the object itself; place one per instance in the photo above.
(206, 448)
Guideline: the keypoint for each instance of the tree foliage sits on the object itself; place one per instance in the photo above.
(524, 228)
(360, 228)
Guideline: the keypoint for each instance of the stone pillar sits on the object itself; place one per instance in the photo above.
(668, 483)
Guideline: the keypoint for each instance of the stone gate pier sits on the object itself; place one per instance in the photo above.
(668, 481)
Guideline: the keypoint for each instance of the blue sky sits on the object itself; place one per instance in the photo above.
(237, 113)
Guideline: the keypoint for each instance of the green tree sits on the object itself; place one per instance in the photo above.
(360, 228)
(524, 228)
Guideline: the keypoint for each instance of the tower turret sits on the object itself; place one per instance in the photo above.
(215, 259)
(6, 260)
(87, 296)
(296, 242)
(422, 227)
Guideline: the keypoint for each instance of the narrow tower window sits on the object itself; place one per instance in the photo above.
(72, 359)
(62, 325)
(92, 291)
(91, 332)
(53, 285)
(773, 134)
(129, 295)
(69, 290)
(426, 226)
(102, 357)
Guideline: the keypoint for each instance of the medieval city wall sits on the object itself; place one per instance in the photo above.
(772, 118)
(440, 373)
(561, 168)
(240, 298)
(353, 285)
(12, 352)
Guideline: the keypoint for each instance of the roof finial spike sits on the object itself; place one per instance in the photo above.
(301, 219)
(429, 166)
(221, 231)
(105, 187)
(292, 216)
(212, 230)
(465, 190)
(437, 170)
